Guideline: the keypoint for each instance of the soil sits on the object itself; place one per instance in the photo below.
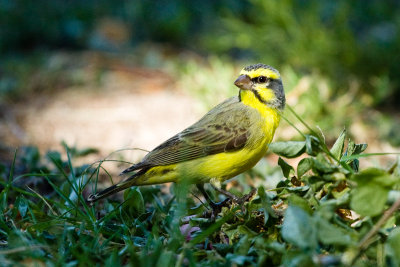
(130, 108)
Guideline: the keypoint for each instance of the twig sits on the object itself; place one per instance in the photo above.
(366, 241)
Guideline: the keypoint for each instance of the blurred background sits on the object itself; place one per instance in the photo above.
(111, 75)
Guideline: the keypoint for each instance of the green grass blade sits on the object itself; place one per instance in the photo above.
(365, 155)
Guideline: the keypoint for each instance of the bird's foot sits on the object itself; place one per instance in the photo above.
(216, 207)
(246, 198)
(235, 199)
(231, 199)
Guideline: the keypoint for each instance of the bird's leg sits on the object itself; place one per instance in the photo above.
(216, 184)
(248, 196)
(225, 193)
(239, 200)
(216, 206)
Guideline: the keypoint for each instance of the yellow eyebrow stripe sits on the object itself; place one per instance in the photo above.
(261, 72)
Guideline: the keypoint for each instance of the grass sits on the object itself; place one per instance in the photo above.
(317, 207)
(325, 211)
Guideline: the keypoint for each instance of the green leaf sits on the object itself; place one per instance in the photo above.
(312, 145)
(297, 258)
(289, 149)
(369, 200)
(266, 204)
(322, 166)
(330, 234)
(243, 229)
(392, 248)
(355, 149)
(246, 231)
(359, 148)
(30, 156)
(238, 259)
(374, 175)
(304, 166)
(134, 203)
(351, 146)
(337, 148)
(22, 206)
(286, 168)
(201, 236)
(299, 229)
(295, 200)
(371, 193)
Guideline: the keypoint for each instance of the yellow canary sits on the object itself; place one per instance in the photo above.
(230, 139)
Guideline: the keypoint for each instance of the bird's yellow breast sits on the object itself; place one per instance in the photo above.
(229, 164)
(221, 166)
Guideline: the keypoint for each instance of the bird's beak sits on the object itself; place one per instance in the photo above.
(243, 82)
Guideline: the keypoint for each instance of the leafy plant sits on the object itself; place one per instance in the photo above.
(348, 41)
(325, 210)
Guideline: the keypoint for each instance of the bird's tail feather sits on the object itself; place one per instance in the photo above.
(114, 188)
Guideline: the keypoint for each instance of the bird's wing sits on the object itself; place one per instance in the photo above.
(223, 129)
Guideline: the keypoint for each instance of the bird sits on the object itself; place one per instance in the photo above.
(228, 140)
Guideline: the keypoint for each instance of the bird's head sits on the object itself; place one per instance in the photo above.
(261, 83)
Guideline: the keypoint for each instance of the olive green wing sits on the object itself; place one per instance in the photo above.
(196, 143)
(223, 129)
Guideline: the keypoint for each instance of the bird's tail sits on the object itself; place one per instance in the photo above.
(115, 188)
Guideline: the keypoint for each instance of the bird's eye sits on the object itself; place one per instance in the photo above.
(261, 79)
